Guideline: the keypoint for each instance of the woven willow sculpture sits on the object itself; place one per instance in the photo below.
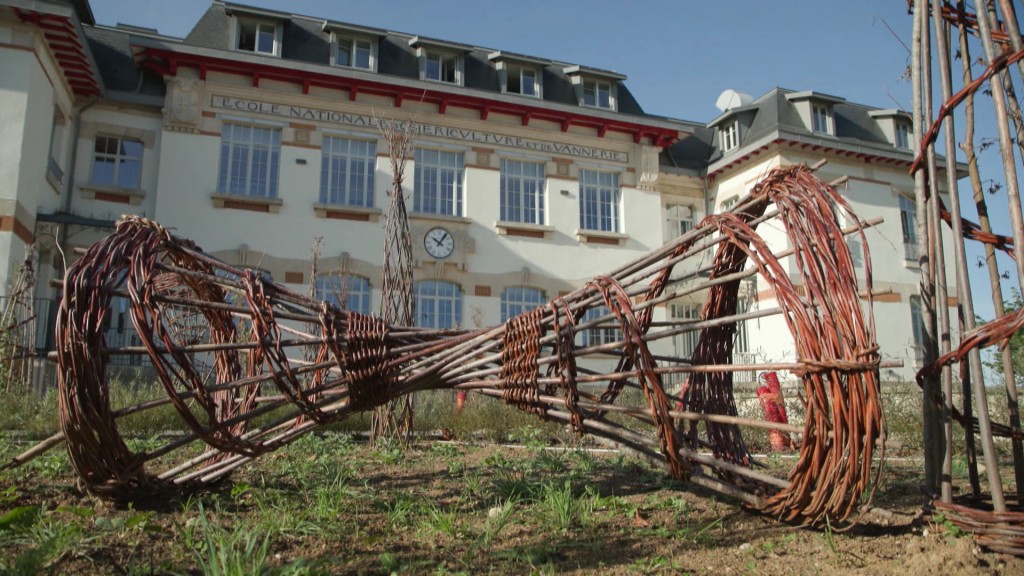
(227, 348)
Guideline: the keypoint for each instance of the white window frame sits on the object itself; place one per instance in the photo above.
(686, 343)
(908, 225)
(119, 158)
(596, 84)
(519, 72)
(600, 201)
(426, 56)
(730, 136)
(355, 289)
(516, 300)
(343, 163)
(352, 43)
(822, 119)
(679, 220)
(445, 179)
(917, 325)
(741, 340)
(523, 195)
(601, 335)
(902, 135)
(260, 25)
(432, 295)
(232, 149)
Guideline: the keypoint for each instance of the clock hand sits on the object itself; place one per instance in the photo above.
(438, 242)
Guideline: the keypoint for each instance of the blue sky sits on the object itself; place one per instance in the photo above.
(678, 55)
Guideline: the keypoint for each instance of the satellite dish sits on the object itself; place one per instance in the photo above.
(730, 99)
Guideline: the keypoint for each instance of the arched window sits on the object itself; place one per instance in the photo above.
(438, 304)
(518, 299)
(353, 291)
(606, 333)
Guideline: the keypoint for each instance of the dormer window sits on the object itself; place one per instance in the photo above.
(816, 110)
(595, 88)
(260, 37)
(356, 53)
(519, 74)
(903, 139)
(730, 136)
(523, 81)
(821, 119)
(442, 68)
(439, 61)
(897, 127)
(597, 94)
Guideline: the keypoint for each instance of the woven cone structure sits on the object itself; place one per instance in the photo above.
(228, 349)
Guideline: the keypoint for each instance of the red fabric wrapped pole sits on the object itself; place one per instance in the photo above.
(774, 408)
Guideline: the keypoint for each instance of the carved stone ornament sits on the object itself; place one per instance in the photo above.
(649, 165)
(183, 98)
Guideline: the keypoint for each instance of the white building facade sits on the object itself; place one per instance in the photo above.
(258, 132)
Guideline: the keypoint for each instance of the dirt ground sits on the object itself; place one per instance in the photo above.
(328, 505)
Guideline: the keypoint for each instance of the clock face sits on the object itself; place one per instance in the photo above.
(439, 243)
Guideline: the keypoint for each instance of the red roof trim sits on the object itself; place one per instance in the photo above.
(62, 38)
(868, 158)
(165, 62)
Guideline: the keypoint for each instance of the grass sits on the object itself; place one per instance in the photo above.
(328, 505)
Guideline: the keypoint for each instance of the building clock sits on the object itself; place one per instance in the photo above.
(439, 243)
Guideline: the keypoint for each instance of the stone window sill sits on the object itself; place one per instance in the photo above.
(113, 194)
(601, 237)
(343, 212)
(251, 203)
(523, 229)
(440, 218)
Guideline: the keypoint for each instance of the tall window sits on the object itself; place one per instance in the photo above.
(597, 94)
(730, 136)
(346, 171)
(821, 119)
(908, 221)
(522, 191)
(54, 172)
(605, 334)
(679, 218)
(441, 67)
(741, 342)
(599, 201)
(686, 342)
(438, 186)
(117, 162)
(518, 299)
(525, 81)
(259, 37)
(917, 324)
(356, 53)
(903, 135)
(354, 291)
(438, 304)
(249, 160)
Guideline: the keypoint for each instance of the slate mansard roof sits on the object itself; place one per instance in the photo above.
(308, 39)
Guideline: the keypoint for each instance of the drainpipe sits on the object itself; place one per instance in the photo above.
(69, 184)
